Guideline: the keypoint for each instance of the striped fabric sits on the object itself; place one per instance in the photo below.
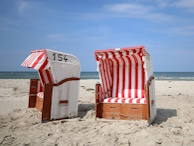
(46, 76)
(121, 71)
(40, 87)
(125, 100)
(38, 60)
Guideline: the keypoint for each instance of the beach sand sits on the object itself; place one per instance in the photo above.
(173, 126)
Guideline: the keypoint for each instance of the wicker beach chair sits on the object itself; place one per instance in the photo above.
(127, 89)
(56, 93)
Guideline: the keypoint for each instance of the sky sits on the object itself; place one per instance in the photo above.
(164, 27)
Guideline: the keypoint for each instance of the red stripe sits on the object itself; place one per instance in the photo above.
(48, 76)
(129, 88)
(143, 77)
(38, 59)
(130, 100)
(40, 71)
(40, 85)
(139, 73)
(100, 68)
(143, 82)
(138, 100)
(145, 101)
(108, 75)
(111, 72)
(117, 86)
(136, 76)
(42, 77)
(104, 78)
(109, 100)
(44, 65)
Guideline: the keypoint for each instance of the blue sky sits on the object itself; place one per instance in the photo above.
(164, 27)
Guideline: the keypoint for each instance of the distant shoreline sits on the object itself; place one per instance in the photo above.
(179, 76)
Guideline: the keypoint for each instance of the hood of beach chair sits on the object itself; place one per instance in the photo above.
(53, 66)
(124, 70)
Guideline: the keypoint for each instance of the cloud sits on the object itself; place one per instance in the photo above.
(174, 31)
(127, 8)
(22, 6)
(25, 6)
(137, 11)
(187, 4)
(162, 3)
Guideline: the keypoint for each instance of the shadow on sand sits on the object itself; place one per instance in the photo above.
(84, 108)
(164, 114)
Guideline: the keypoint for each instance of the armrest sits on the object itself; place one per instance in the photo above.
(60, 83)
(66, 80)
(150, 80)
(98, 91)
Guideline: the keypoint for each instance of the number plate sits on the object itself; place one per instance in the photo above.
(59, 57)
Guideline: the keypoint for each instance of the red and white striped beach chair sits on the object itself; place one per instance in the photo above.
(127, 89)
(56, 93)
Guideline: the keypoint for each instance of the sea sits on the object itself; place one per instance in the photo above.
(186, 76)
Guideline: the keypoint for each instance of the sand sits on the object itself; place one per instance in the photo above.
(173, 126)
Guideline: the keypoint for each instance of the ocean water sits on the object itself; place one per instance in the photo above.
(189, 76)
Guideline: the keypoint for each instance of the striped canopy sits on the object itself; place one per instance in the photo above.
(38, 60)
(122, 72)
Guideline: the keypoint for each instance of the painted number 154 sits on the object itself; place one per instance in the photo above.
(59, 57)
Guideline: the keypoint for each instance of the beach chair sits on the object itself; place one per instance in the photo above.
(127, 89)
(56, 93)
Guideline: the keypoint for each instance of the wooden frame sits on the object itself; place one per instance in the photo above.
(44, 104)
(123, 111)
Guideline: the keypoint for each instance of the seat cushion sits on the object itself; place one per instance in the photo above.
(40, 94)
(125, 100)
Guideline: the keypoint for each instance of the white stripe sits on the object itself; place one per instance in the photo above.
(108, 73)
(134, 100)
(142, 100)
(127, 100)
(113, 100)
(106, 100)
(40, 63)
(104, 56)
(139, 75)
(114, 75)
(120, 84)
(110, 55)
(36, 55)
(45, 76)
